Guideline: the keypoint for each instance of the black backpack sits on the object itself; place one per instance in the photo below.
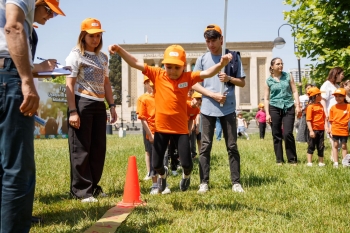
(231, 68)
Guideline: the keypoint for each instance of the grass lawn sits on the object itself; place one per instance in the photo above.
(276, 199)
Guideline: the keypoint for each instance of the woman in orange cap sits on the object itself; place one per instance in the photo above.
(87, 87)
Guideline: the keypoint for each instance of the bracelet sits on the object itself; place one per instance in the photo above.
(111, 105)
(73, 110)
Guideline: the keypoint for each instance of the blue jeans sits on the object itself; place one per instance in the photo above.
(218, 129)
(17, 167)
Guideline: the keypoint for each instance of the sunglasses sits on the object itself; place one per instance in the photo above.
(49, 11)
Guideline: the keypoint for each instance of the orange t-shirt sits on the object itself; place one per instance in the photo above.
(339, 116)
(147, 109)
(192, 112)
(139, 100)
(170, 99)
(315, 114)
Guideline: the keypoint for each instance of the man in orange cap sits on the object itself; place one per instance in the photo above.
(19, 103)
(171, 88)
(233, 76)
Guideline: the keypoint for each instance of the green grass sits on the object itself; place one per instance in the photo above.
(276, 199)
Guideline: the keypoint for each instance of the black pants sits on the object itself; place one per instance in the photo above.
(262, 128)
(173, 154)
(182, 143)
(278, 116)
(316, 142)
(229, 129)
(193, 143)
(87, 147)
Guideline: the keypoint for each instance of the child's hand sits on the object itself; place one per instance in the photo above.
(112, 49)
(226, 59)
(312, 134)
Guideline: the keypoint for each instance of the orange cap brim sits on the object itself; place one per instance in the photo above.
(173, 61)
(93, 31)
(55, 9)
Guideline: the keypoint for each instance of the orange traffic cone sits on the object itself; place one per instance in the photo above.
(132, 195)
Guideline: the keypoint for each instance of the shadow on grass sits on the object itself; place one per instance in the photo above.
(253, 180)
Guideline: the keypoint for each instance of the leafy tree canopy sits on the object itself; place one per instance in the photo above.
(322, 29)
(115, 76)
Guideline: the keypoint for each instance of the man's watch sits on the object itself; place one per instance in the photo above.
(112, 105)
(230, 78)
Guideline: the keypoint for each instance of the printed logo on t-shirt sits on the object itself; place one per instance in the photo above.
(183, 85)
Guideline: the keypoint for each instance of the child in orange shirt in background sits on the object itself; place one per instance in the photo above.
(315, 120)
(339, 116)
(171, 88)
(149, 90)
(193, 109)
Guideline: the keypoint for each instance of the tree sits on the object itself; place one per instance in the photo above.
(322, 31)
(115, 76)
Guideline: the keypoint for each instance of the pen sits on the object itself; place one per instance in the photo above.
(47, 59)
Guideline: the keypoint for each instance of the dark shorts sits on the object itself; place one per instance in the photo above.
(342, 139)
(199, 136)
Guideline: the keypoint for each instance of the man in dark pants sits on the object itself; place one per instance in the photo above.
(211, 109)
(19, 102)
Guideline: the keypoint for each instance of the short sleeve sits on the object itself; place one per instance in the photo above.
(151, 72)
(142, 111)
(198, 65)
(73, 61)
(309, 113)
(240, 70)
(324, 92)
(105, 65)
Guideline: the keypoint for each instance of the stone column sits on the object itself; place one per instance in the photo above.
(253, 81)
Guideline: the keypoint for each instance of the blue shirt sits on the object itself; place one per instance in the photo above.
(210, 107)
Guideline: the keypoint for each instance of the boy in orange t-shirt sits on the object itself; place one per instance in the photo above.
(193, 109)
(171, 88)
(339, 116)
(149, 90)
(315, 120)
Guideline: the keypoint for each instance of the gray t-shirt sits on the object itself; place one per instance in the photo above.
(209, 106)
(28, 7)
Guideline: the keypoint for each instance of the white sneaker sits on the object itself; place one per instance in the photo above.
(321, 164)
(203, 188)
(89, 200)
(147, 177)
(237, 188)
(335, 164)
(309, 164)
(174, 173)
(154, 189)
(166, 191)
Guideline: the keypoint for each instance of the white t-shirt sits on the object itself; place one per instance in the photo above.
(28, 7)
(240, 122)
(328, 88)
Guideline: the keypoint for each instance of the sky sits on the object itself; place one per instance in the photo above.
(167, 21)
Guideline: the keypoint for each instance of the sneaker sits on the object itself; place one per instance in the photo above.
(166, 191)
(321, 164)
(185, 183)
(203, 188)
(174, 173)
(89, 200)
(237, 188)
(154, 190)
(309, 164)
(345, 161)
(335, 164)
(98, 192)
(147, 177)
(162, 181)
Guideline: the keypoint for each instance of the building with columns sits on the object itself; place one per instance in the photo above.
(256, 57)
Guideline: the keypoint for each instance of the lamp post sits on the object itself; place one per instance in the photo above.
(279, 43)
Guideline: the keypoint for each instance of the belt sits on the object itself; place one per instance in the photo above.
(4, 62)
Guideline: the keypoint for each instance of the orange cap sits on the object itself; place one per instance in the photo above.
(174, 54)
(261, 105)
(145, 78)
(196, 95)
(340, 91)
(313, 91)
(53, 4)
(213, 27)
(91, 26)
